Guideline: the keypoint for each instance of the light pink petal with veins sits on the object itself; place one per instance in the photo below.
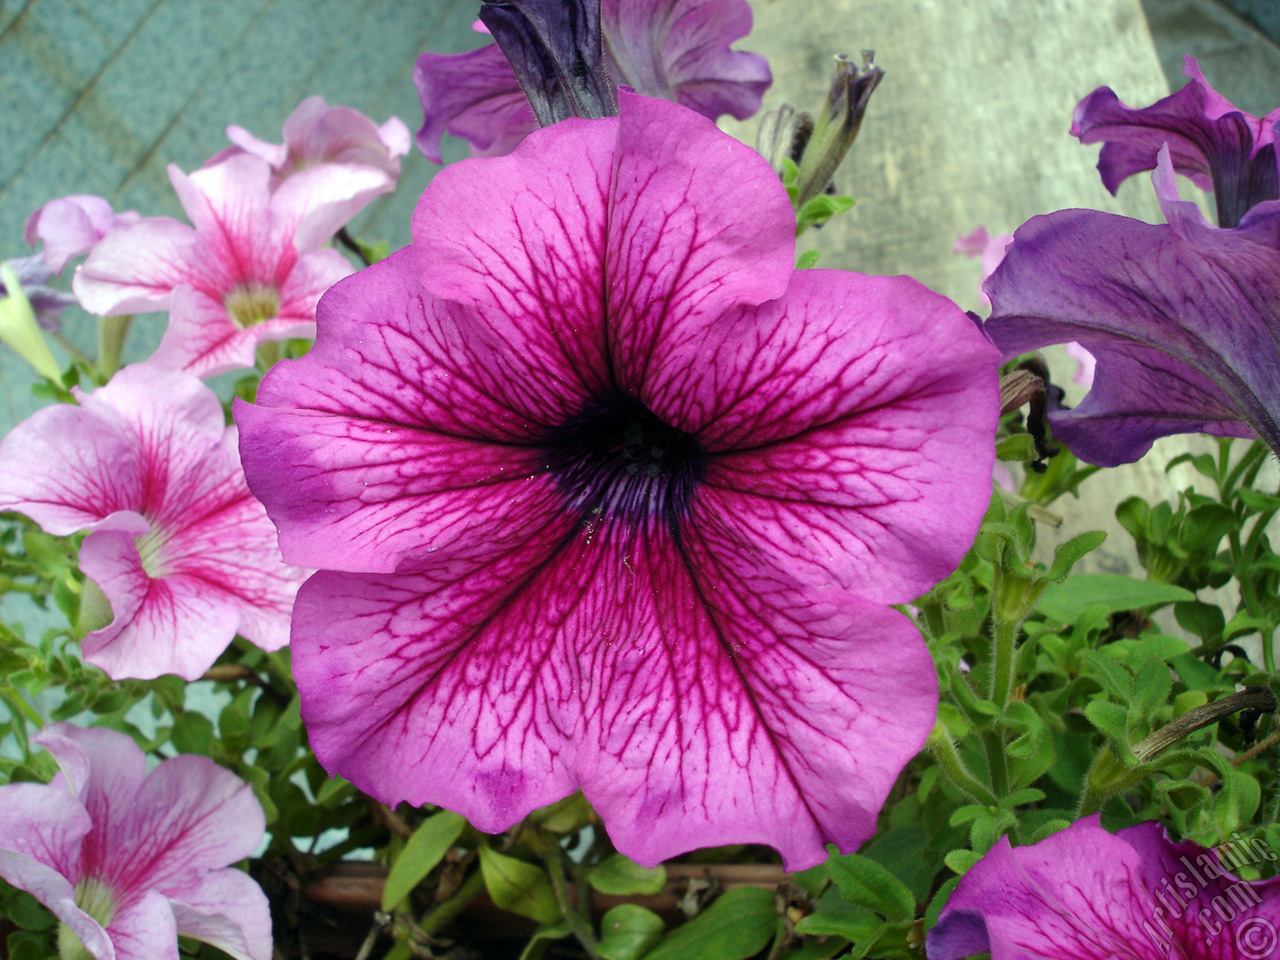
(226, 908)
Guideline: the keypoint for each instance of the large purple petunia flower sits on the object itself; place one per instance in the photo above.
(1220, 147)
(672, 49)
(1182, 319)
(185, 556)
(1086, 894)
(129, 860)
(607, 496)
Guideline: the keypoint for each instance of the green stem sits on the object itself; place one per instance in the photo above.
(112, 332)
(439, 915)
(553, 857)
(1004, 650)
(993, 741)
(948, 757)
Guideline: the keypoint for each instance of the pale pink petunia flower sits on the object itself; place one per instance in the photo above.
(250, 268)
(128, 860)
(183, 553)
(70, 226)
(991, 249)
(316, 133)
(607, 496)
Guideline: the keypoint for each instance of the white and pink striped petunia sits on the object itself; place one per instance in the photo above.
(183, 553)
(128, 860)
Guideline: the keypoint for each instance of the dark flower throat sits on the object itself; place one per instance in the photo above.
(616, 459)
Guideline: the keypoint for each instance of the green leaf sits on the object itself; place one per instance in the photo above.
(424, 849)
(541, 939)
(1065, 601)
(807, 259)
(622, 877)
(518, 886)
(1111, 719)
(192, 733)
(863, 881)
(628, 931)
(739, 924)
(1069, 553)
(1019, 447)
(959, 861)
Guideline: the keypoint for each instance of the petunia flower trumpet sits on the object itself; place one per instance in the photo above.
(677, 50)
(1087, 894)
(130, 860)
(1182, 318)
(180, 557)
(250, 268)
(605, 495)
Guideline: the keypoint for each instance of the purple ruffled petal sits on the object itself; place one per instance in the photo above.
(1200, 297)
(669, 694)
(472, 95)
(1086, 894)
(679, 50)
(1220, 147)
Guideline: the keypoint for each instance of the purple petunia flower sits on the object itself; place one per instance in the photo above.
(606, 495)
(185, 556)
(1086, 894)
(249, 269)
(672, 49)
(129, 860)
(1220, 147)
(1182, 318)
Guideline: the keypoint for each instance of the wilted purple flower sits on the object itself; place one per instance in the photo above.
(70, 226)
(1181, 318)
(1086, 894)
(184, 555)
(1219, 147)
(606, 495)
(672, 49)
(128, 860)
(249, 269)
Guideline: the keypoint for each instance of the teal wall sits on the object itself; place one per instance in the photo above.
(99, 96)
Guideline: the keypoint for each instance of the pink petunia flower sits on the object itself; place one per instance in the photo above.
(184, 555)
(70, 226)
(316, 133)
(130, 861)
(607, 495)
(1087, 894)
(677, 50)
(249, 269)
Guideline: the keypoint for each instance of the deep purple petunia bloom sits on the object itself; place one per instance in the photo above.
(672, 49)
(130, 860)
(605, 495)
(1220, 147)
(1086, 894)
(185, 556)
(1181, 318)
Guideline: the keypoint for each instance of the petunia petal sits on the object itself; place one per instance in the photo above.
(225, 908)
(473, 95)
(683, 674)
(104, 769)
(1202, 296)
(45, 825)
(56, 892)
(832, 444)
(144, 929)
(189, 815)
(679, 50)
(135, 268)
